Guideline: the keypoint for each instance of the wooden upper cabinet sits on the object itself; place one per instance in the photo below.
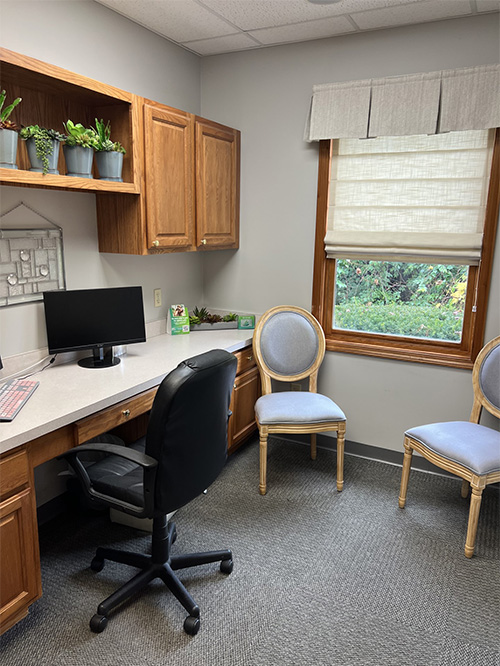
(217, 185)
(169, 175)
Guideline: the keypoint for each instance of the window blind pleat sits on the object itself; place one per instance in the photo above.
(420, 206)
(428, 103)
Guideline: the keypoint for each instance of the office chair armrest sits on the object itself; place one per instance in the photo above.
(148, 464)
(113, 449)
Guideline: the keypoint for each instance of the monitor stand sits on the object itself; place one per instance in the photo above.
(102, 358)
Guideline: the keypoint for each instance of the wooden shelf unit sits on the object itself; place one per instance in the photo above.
(52, 95)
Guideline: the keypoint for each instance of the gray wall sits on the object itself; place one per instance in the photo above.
(89, 39)
(266, 94)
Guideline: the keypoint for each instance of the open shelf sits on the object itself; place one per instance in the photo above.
(52, 95)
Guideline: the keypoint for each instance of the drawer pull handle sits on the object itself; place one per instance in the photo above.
(234, 385)
(250, 358)
(156, 243)
(126, 413)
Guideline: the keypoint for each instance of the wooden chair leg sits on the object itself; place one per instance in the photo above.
(313, 446)
(340, 457)
(405, 474)
(464, 490)
(263, 460)
(475, 505)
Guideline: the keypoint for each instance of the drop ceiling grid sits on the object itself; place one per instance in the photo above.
(209, 27)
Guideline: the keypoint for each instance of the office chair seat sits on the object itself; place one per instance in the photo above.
(297, 407)
(469, 444)
(118, 477)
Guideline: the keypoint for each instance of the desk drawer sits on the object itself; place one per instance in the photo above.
(14, 473)
(245, 360)
(110, 418)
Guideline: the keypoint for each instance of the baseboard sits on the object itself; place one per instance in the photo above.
(371, 452)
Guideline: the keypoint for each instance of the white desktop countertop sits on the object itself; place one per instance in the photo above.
(68, 392)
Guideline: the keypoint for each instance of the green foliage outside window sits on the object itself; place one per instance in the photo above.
(398, 298)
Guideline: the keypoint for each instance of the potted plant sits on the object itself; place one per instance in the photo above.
(8, 134)
(43, 147)
(109, 154)
(79, 149)
(202, 320)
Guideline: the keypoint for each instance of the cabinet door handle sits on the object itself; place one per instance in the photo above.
(250, 358)
(234, 385)
(203, 241)
(156, 243)
(126, 413)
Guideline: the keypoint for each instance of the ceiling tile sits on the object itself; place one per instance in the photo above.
(430, 10)
(237, 42)
(255, 14)
(304, 31)
(180, 20)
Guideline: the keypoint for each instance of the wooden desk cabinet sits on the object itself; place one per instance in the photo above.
(20, 577)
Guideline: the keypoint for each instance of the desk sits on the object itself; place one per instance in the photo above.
(72, 404)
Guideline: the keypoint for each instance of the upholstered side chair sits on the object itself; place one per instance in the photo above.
(464, 448)
(289, 346)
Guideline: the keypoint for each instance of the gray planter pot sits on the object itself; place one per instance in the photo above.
(8, 149)
(214, 327)
(78, 161)
(36, 162)
(110, 164)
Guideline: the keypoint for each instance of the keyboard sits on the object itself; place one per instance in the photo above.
(13, 397)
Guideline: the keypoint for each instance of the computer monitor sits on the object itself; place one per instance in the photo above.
(95, 319)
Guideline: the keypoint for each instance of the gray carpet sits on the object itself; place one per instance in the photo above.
(320, 578)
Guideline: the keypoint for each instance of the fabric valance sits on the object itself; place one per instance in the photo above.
(430, 103)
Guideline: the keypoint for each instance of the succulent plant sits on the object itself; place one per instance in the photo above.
(78, 135)
(203, 316)
(104, 138)
(5, 123)
(43, 141)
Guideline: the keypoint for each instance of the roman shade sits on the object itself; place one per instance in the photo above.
(429, 103)
(410, 198)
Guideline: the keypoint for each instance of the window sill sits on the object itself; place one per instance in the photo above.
(404, 350)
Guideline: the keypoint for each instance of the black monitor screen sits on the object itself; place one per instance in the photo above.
(94, 319)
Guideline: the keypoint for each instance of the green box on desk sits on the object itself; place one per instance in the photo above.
(178, 320)
(246, 322)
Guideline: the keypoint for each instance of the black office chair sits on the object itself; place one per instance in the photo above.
(183, 452)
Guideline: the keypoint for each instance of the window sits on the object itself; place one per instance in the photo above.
(404, 244)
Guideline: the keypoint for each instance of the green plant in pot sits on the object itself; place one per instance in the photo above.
(8, 134)
(79, 149)
(109, 154)
(43, 147)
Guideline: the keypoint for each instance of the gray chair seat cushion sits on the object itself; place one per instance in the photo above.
(296, 407)
(469, 444)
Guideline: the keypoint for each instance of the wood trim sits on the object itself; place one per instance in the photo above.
(319, 271)
(459, 355)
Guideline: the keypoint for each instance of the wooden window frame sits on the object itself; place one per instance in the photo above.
(459, 355)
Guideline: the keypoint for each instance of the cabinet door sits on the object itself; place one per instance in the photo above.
(245, 394)
(20, 571)
(169, 172)
(217, 185)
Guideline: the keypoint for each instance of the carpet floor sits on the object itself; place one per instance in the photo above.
(320, 578)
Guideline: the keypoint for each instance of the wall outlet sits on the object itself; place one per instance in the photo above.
(157, 298)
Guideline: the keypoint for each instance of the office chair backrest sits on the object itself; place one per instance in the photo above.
(486, 380)
(187, 430)
(289, 345)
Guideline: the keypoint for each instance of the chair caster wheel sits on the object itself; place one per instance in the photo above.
(192, 625)
(97, 564)
(226, 566)
(98, 623)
